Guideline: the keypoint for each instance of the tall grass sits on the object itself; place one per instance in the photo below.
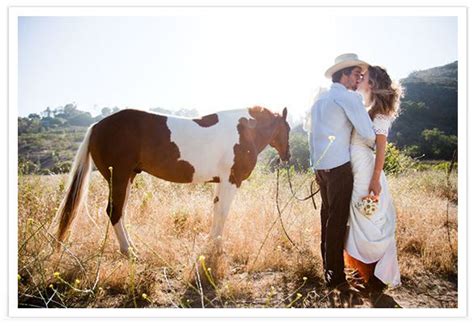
(169, 224)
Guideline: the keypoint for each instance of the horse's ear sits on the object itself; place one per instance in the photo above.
(252, 123)
(284, 113)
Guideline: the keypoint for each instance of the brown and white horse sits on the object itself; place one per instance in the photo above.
(221, 148)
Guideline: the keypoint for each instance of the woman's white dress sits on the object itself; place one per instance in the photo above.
(372, 240)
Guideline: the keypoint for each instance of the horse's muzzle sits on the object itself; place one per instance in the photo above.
(286, 157)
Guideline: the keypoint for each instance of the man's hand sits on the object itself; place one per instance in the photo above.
(375, 186)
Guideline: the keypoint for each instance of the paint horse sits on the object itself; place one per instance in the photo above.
(221, 148)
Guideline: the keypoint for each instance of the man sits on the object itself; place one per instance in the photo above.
(333, 116)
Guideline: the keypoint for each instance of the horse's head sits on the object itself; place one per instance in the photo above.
(281, 136)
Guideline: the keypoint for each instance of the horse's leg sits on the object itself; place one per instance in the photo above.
(225, 192)
(121, 234)
(121, 182)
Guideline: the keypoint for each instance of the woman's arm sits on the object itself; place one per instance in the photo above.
(380, 145)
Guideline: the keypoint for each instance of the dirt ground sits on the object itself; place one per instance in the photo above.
(423, 291)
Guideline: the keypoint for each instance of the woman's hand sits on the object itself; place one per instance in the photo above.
(375, 186)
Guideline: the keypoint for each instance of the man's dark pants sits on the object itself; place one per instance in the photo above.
(336, 191)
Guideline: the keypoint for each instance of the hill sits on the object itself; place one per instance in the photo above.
(427, 124)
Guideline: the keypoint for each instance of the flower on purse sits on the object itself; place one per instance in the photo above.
(368, 205)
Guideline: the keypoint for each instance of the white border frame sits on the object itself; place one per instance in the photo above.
(14, 311)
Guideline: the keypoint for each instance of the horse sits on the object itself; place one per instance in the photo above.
(220, 148)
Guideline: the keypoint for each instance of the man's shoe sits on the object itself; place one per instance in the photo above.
(344, 295)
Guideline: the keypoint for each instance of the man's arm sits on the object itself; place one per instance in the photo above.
(357, 115)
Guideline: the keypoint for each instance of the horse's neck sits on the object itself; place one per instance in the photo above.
(263, 136)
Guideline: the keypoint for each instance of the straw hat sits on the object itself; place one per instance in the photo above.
(343, 61)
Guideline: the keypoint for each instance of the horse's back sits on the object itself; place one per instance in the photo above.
(172, 148)
(132, 140)
(207, 143)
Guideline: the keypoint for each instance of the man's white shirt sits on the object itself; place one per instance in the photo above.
(334, 115)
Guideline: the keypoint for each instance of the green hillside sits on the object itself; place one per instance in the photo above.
(427, 125)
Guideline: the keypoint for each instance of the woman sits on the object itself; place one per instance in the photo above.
(370, 245)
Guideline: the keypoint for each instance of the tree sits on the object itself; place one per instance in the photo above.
(106, 112)
(67, 112)
(33, 116)
(299, 151)
(49, 122)
(437, 144)
(298, 148)
(161, 110)
(81, 119)
(47, 112)
(23, 125)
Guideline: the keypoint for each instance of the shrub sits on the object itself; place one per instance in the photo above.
(397, 161)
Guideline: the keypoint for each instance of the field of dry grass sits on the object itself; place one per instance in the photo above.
(260, 267)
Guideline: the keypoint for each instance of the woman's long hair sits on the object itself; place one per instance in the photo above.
(386, 94)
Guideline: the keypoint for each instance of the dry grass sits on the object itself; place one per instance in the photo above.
(169, 225)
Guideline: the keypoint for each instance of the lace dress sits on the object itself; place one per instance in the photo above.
(372, 240)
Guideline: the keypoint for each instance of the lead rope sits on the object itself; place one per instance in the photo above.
(280, 210)
(312, 193)
(294, 195)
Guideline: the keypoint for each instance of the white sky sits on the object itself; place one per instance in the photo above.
(215, 60)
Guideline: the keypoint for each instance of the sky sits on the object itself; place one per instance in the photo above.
(213, 61)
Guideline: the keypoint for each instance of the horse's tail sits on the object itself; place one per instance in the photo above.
(77, 189)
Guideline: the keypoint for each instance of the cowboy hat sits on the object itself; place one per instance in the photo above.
(344, 61)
